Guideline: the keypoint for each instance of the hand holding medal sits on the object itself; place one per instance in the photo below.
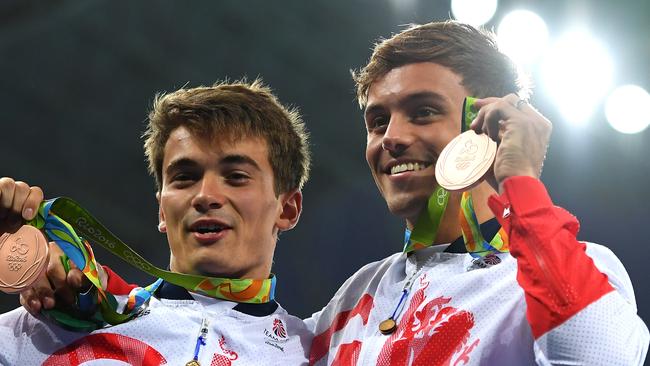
(502, 137)
(507, 136)
(25, 257)
(24, 252)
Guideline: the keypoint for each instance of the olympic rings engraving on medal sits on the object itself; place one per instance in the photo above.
(20, 243)
(19, 250)
(465, 160)
(24, 256)
(467, 155)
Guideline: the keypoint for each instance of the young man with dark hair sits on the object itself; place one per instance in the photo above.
(230, 162)
(503, 280)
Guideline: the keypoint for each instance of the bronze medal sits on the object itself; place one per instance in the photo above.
(465, 161)
(23, 257)
(388, 326)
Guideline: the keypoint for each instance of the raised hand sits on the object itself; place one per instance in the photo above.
(521, 132)
(19, 202)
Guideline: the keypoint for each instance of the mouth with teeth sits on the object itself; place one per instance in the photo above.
(208, 232)
(209, 229)
(407, 167)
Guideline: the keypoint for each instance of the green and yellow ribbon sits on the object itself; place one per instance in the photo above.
(426, 228)
(72, 227)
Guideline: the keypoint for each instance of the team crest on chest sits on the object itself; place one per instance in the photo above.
(484, 262)
(276, 334)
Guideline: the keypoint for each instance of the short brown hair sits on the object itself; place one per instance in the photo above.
(232, 110)
(469, 52)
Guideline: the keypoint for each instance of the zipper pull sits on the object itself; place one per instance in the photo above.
(200, 341)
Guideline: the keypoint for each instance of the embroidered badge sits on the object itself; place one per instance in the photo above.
(484, 262)
(277, 335)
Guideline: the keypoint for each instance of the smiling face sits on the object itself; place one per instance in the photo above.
(411, 114)
(219, 208)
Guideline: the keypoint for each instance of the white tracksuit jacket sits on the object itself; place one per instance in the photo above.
(551, 301)
(165, 334)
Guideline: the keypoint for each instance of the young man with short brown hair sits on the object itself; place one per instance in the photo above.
(501, 278)
(229, 161)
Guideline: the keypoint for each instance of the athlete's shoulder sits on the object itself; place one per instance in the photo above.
(358, 290)
(608, 263)
(371, 273)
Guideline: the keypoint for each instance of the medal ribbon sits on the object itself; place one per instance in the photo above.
(71, 226)
(424, 232)
(426, 228)
(475, 243)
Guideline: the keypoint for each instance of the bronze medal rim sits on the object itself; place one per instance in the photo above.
(446, 171)
(32, 268)
(387, 326)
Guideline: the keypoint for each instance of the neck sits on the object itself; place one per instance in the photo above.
(449, 228)
(253, 274)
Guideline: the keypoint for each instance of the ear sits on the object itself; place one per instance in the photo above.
(162, 227)
(290, 210)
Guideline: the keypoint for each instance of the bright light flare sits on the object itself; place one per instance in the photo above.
(626, 109)
(523, 36)
(474, 12)
(577, 73)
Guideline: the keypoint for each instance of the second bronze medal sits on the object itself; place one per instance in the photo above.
(24, 256)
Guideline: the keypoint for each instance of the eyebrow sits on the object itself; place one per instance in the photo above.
(407, 99)
(240, 159)
(179, 164)
(231, 159)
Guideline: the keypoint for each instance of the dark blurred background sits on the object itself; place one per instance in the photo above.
(78, 78)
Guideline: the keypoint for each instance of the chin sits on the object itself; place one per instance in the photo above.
(406, 207)
(212, 268)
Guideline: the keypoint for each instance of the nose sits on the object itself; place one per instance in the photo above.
(397, 136)
(210, 195)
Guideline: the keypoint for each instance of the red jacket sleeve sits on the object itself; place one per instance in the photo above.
(558, 278)
(116, 284)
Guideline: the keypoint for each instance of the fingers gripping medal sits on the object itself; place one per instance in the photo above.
(23, 257)
(467, 158)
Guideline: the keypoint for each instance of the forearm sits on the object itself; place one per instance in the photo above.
(569, 300)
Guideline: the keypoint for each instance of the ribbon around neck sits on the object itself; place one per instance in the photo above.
(72, 227)
(426, 228)
(475, 243)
